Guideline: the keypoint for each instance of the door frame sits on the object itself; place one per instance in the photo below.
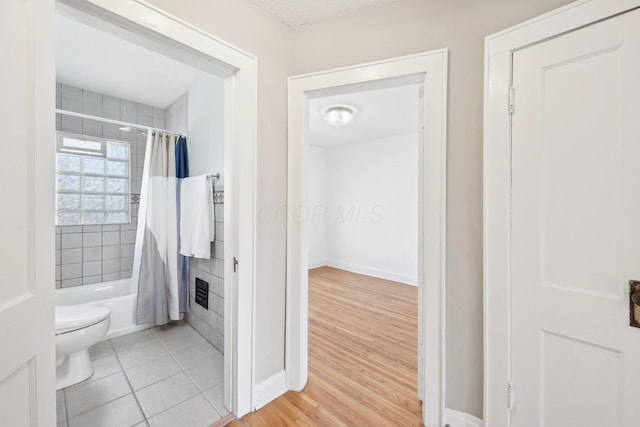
(239, 71)
(430, 69)
(499, 49)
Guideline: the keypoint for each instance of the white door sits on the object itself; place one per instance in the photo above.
(575, 361)
(27, 84)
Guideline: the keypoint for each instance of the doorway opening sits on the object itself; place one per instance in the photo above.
(363, 252)
(102, 95)
(427, 70)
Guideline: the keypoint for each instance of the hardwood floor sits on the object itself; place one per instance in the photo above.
(362, 357)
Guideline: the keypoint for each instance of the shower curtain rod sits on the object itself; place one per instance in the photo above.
(117, 122)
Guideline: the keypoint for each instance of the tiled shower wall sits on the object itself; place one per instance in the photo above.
(99, 253)
(177, 114)
(210, 323)
(93, 254)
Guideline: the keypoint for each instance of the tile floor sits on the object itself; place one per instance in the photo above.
(165, 376)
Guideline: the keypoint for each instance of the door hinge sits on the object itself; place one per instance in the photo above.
(510, 396)
(235, 264)
(512, 99)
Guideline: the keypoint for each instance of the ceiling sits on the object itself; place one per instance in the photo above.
(300, 12)
(101, 62)
(381, 113)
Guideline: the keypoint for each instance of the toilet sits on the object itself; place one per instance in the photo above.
(78, 327)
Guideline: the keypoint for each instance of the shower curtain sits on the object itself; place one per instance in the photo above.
(156, 260)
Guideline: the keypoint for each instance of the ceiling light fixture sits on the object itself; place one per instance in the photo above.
(339, 115)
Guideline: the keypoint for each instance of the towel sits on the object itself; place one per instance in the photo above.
(197, 221)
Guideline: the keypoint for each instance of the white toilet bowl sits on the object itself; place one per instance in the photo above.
(78, 327)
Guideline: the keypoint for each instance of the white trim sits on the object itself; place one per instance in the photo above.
(461, 419)
(316, 264)
(497, 187)
(270, 389)
(150, 25)
(430, 69)
(374, 272)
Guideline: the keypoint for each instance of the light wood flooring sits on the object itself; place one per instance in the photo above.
(362, 357)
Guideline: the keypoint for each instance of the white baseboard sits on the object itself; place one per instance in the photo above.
(316, 264)
(460, 419)
(269, 389)
(375, 272)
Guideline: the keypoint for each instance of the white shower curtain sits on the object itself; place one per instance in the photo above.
(155, 269)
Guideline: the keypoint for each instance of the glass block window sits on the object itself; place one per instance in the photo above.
(92, 181)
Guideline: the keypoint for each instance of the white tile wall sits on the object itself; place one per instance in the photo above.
(101, 253)
(210, 323)
(176, 114)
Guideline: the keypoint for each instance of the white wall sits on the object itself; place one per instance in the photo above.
(317, 207)
(399, 28)
(370, 223)
(206, 127)
(409, 26)
(248, 27)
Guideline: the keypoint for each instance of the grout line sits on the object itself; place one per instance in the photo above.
(86, 382)
(99, 406)
(214, 406)
(180, 403)
(176, 360)
(66, 412)
(135, 396)
(166, 409)
(156, 382)
(134, 392)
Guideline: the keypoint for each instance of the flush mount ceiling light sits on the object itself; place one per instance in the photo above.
(339, 115)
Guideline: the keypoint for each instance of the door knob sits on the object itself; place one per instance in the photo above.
(634, 303)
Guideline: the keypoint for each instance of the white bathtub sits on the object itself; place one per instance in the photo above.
(117, 295)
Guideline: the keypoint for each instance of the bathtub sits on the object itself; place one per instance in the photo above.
(117, 295)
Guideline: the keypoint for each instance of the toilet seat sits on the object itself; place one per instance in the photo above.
(73, 317)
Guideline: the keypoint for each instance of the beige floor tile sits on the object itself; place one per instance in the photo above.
(101, 349)
(195, 412)
(88, 396)
(207, 375)
(120, 412)
(180, 341)
(125, 342)
(197, 355)
(151, 372)
(142, 353)
(154, 363)
(215, 396)
(164, 394)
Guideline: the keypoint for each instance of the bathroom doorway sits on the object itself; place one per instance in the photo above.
(113, 94)
(429, 71)
(162, 34)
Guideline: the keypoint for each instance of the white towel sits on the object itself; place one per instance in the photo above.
(197, 220)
